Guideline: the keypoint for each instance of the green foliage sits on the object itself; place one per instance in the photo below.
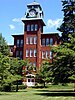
(3, 46)
(68, 25)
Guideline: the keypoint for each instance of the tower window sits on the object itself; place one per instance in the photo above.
(32, 27)
(35, 40)
(27, 52)
(51, 41)
(28, 27)
(36, 27)
(47, 41)
(31, 53)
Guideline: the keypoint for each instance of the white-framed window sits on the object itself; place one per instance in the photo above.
(32, 27)
(35, 40)
(28, 27)
(51, 41)
(36, 27)
(17, 53)
(21, 43)
(27, 40)
(43, 54)
(34, 52)
(27, 53)
(34, 66)
(21, 54)
(46, 54)
(51, 54)
(47, 41)
(31, 40)
(18, 42)
(43, 42)
(31, 53)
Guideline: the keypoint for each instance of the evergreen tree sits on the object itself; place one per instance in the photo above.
(68, 25)
(3, 46)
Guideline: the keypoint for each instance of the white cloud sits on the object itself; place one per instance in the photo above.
(54, 23)
(16, 20)
(12, 27)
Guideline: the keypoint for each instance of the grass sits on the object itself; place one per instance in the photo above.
(53, 92)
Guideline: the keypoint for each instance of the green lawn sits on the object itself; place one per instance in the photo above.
(50, 93)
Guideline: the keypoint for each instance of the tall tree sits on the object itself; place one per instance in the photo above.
(68, 25)
(3, 46)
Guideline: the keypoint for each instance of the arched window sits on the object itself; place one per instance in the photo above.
(51, 54)
(47, 41)
(32, 27)
(27, 52)
(36, 27)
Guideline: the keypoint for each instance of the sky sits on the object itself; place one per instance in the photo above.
(11, 12)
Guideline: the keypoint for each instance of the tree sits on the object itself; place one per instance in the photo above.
(3, 46)
(44, 74)
(68, 25)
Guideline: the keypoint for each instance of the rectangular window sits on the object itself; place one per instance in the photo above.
(51, 41)
(18, 42)
(32, 27)
(31, 53)
(34, 66)
(31, 40)
(27, 40)
(34, 52)
(28, 27)
(43, 42)
(21, 54)
(21, 43)
(43, 54)
(17, 53)
(36, 27)
(35, 40)
(46, 54)
(27, 53)
(51, 54)
(47, 41)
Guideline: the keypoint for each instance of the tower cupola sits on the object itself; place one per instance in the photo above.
(34, 10)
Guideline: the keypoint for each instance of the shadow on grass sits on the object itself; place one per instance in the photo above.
(56, 93)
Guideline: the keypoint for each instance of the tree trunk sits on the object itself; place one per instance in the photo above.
(17, 86)
(44, 83)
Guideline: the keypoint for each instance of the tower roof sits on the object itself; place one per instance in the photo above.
(33, 3)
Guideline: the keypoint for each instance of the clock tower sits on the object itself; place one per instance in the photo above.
(33, 28)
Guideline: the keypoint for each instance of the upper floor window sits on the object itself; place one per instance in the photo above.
(21, 43)
(35, 40)
(36, 27)
(32, 27)
(31, 40)
(47, 41)
(51, 41)
(28, 27)
(43, 42)
(27, 53)
(18, 42)
(31, 53)
(34, 52)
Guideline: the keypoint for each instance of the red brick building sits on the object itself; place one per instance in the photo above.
(34, 44)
